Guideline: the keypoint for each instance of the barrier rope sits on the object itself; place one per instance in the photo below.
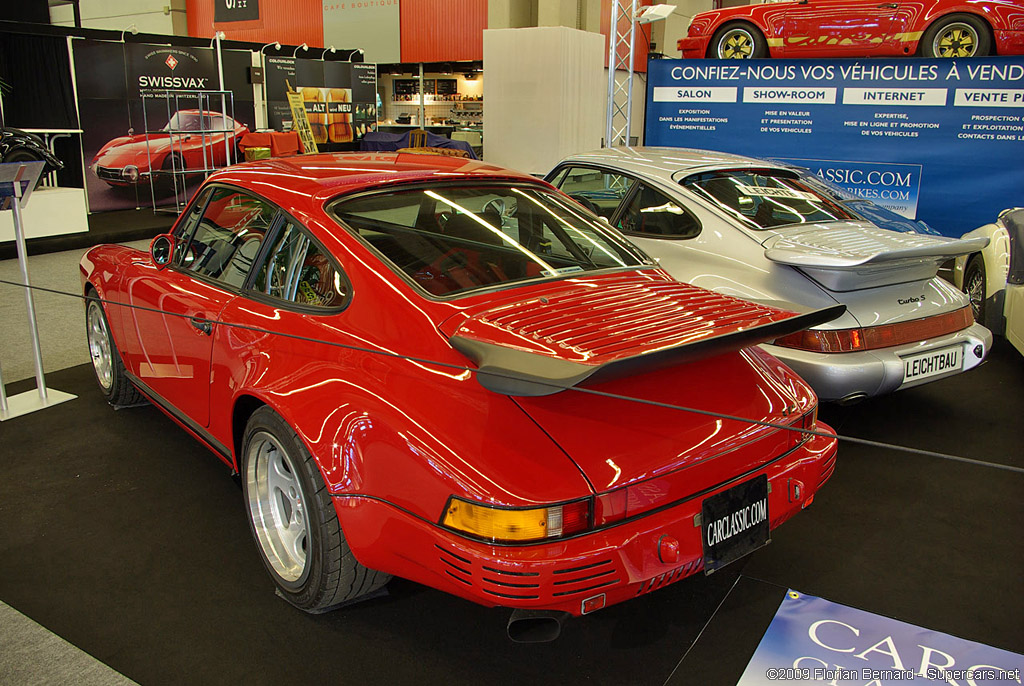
(552, 384)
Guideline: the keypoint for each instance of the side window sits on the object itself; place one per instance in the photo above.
(228, 237)
(653, 214)
(187, 226)
(297, 270)
(598, 191)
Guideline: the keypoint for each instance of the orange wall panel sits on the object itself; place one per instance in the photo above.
(443, 30)
(291, 22)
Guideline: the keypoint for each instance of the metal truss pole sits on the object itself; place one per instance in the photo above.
(621, 33)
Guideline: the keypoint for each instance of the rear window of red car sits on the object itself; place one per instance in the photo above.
(453, 239)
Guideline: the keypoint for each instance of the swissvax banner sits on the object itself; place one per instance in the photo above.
(131, 129)
(815, 641)
(937, 140)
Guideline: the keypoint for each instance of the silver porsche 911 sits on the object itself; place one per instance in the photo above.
(775, 234)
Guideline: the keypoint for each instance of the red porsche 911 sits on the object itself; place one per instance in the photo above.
(423, 366)
(859, 28)
(191, 140)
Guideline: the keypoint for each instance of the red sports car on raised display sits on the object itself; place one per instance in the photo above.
(859, 28)
(414, 364)
(190, 141)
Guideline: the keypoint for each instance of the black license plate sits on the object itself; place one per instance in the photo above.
(734, 523)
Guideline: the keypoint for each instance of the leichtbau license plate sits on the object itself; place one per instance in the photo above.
(734, 523)
(933, 363)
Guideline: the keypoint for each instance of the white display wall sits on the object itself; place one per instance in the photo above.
(545, 95)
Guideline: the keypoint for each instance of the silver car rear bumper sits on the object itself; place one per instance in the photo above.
(850, 376)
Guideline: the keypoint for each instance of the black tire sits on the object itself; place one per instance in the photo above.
(974, 287)
(957, 35)
(106, 359)
(22, 155)
(327, 574)
(738, 41)
(26, 155)
(173, 162)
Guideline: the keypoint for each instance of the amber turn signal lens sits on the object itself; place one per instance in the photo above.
(519, 525)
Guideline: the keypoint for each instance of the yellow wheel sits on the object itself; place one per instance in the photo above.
(738, 42)
(958, 35)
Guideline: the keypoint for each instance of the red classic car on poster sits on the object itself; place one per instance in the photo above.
(190, 141)
(415, 365)
(859, 28)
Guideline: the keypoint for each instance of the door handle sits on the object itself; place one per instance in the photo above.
(888, 6)
(204, 325)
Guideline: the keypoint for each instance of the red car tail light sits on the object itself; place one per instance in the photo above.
(806, 421)
(810, 419)
(875, 337)
(517, 525)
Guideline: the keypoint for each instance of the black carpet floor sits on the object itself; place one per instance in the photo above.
(124, 536)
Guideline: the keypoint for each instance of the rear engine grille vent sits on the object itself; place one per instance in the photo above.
(520, 585)
(826, 470)
(584, 579)
(663, 580)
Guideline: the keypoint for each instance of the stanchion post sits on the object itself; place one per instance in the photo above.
(19, 237)
(17, 181)
(3, 396)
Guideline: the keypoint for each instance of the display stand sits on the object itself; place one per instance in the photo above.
(50, 136)
(17, 179)
(178, 101)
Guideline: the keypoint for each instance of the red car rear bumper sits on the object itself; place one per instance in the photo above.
(1009, 42)
(694, 47)
(620, 562)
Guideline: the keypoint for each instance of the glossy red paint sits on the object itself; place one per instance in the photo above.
(395, 438)
(854, 28)
(147, 153)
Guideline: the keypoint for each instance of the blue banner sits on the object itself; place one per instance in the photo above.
(812, 640)
(938, 140)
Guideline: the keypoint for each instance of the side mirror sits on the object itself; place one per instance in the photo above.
(162, 250)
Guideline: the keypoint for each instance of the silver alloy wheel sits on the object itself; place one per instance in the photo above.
(99, 345)
(959, 39)
(736, 44)
(276, 506)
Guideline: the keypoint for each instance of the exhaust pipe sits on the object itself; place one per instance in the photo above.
(535, 626)
(851, 399)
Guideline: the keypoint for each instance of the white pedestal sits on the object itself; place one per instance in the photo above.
(29, 401)
(50, 212)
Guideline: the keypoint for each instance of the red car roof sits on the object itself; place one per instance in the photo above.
(324, 175)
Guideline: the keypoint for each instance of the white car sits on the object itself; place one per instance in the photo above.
(993, 278)
(769, 233)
